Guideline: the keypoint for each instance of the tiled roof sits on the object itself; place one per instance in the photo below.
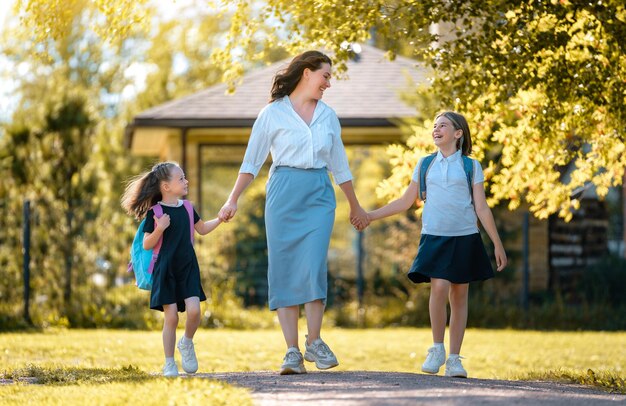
(371, 92)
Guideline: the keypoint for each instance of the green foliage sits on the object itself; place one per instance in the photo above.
(381, 313)
(604, 283)
(55, 174)
(123, 306)
(62, 150)
(251, 247)
(541, 83)
(224, 308)
(545, 313)
(486, 310)
(53, 19)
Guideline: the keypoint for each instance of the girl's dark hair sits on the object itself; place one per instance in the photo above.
(144, 191)
(286, 80)
(460, 123)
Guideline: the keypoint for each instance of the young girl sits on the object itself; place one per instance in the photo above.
(176, 276)
(451, 253)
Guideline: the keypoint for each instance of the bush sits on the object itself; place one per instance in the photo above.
(11, 322)
(124, 306)
(605, 282)
(224, 308)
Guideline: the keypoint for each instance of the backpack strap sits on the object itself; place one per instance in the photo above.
(189, 208)
(158, 212)
(427, 162)
(468, 167)
(424, 167)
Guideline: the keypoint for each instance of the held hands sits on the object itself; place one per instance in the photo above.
(163, 222)
(227, 211)
(359, 218)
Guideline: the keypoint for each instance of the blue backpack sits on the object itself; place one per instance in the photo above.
(468, 167)
(142, 261)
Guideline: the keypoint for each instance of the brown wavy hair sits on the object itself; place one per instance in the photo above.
(460, 123)
(144, 191)
(286, 80)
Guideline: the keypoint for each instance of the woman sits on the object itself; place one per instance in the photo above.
(304, 136)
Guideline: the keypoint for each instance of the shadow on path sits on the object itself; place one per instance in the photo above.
(393, 388)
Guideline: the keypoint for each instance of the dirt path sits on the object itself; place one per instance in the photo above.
(363, 388)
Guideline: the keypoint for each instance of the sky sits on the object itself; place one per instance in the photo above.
(5, 7)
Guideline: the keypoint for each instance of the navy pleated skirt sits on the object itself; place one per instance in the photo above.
(461, 259)
(299, 218)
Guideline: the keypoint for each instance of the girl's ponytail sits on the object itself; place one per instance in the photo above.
(144, 191)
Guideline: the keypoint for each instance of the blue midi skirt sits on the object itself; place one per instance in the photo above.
(299, 218)
(461, 259)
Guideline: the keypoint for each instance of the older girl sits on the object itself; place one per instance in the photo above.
(451, 253)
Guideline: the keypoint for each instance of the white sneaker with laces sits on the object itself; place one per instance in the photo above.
(188, 355)
(292, 363)
(434, 360)
(170, 369)
(320, 353)
(454, 368)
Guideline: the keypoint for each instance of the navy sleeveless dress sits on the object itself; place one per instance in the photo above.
(176, 274)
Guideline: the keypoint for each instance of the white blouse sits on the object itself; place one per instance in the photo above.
(448, 210)
(280, 130)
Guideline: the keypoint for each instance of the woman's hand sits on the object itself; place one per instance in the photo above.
(359, 218)
(227, 211)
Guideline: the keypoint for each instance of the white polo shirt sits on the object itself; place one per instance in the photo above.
(448, 210)
(279, 130)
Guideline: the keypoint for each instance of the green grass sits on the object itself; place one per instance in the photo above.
(115, 366)
(156, 391)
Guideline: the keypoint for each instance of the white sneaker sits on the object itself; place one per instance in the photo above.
(321, 354)
(434, 360)
(170, 369)
(293, 362)
(188, 355)
(454, 368)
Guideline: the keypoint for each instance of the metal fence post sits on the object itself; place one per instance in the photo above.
(26, 253)
(526, 270)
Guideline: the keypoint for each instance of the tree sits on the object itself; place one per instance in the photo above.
(54, 19)
(57, 149)
(542, 83)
